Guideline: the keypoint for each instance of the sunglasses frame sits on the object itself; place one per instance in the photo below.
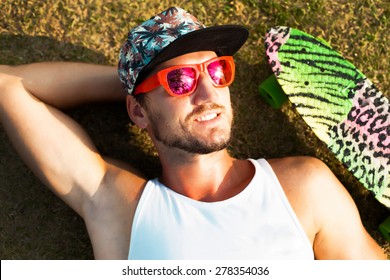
(161, 77)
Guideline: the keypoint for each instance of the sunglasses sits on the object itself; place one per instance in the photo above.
(181, 80)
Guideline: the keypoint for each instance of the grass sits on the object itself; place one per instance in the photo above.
(34, 224)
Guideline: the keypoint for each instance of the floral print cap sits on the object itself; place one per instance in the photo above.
(145, 44)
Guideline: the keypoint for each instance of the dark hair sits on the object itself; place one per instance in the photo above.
(141, 99)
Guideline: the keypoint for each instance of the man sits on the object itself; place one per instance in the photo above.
(205, 204)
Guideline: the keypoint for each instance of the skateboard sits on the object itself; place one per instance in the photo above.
(343, 108)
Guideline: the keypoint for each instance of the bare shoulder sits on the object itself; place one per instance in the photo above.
(310, 185)
(120, 190)
(300, 174)
(326, 210)
(303, 164)
(299, 178)
(309, 180)
(123, 182)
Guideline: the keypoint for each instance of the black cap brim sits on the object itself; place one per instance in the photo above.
(223, 40)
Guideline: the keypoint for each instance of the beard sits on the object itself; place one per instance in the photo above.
(179, 135)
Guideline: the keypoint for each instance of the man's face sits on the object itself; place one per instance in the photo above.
(199, 123)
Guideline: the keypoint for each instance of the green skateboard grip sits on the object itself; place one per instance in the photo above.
(272, 92)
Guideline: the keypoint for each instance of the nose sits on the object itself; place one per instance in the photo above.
(205, 91)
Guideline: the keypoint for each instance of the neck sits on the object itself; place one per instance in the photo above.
(212, 177)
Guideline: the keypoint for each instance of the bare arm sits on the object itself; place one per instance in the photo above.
(53, 145)
(66, 84)
(341, 233)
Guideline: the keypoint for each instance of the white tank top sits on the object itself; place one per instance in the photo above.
(257, 223)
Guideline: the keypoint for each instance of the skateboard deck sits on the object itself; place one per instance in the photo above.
(344, 109)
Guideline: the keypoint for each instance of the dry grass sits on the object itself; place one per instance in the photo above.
(36, 225)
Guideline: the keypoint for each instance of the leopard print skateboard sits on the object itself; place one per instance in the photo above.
(344, 109)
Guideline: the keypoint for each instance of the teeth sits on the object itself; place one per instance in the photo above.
(207, 117)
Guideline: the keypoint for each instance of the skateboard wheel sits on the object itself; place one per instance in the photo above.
(385, 229)
(272, 92)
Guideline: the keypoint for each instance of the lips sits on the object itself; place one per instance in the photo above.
(206, 117)
(206, 113)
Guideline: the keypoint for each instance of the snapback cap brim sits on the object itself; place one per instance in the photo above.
(223, 40)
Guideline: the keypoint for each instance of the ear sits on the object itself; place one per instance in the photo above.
(136, 112)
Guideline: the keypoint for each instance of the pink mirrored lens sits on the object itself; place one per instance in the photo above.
(220, 72)
(182, 80)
